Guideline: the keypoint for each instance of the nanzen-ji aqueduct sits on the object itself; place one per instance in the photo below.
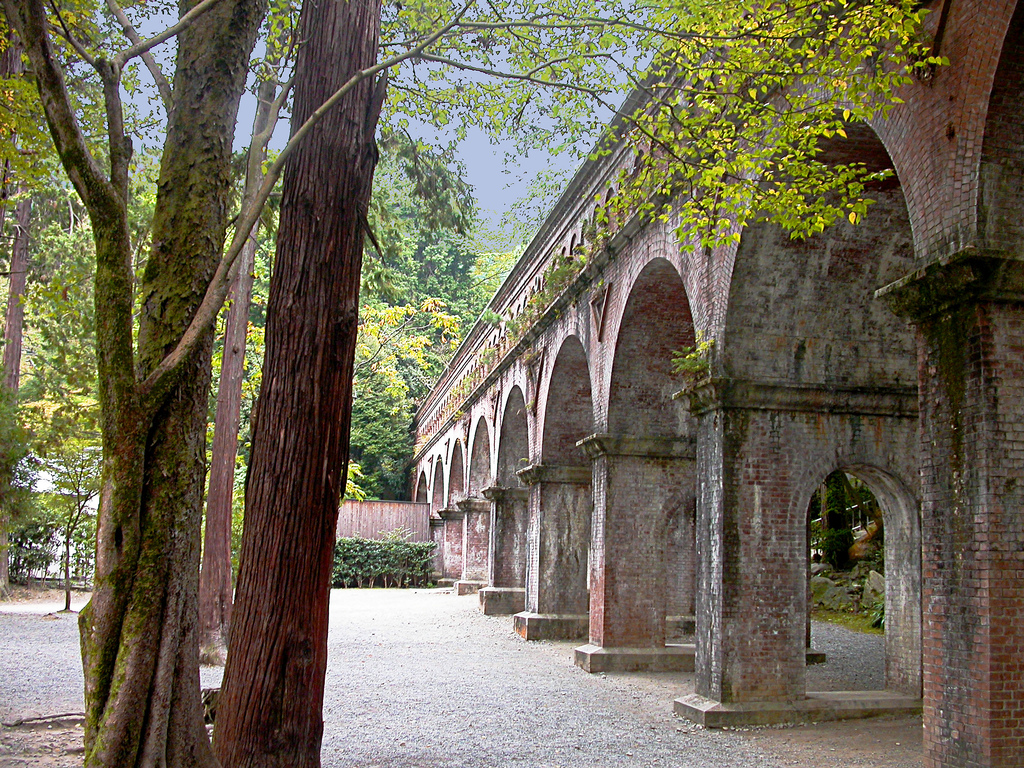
(580, 491)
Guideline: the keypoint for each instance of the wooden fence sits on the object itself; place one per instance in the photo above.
(373, 519)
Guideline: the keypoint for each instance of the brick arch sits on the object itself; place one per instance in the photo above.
(480, 459)
(803, 312)
(901, 518)
(513, 439)
(508, 561)
(457, 474)
(569, 410)
(655, 322)
(421, 487)
(1001, 197)
(935, 136)
(437, 491)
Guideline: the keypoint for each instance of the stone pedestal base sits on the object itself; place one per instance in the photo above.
(502, 601)
(551, 626)
(465, 587)
(447, 583)
(837, 705)
(670, 658)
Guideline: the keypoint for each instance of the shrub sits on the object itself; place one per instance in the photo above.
(877, 613)
(393, 561)
(835, 546)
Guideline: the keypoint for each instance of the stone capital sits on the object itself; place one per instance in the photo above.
(736, 394)
(973, 274)
(473, 506)
(452, 513)
(499, 493)
(638, 445)
(555, 473)
(436, 522)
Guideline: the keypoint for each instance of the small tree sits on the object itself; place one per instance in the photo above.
(16, 479)
(74, 469)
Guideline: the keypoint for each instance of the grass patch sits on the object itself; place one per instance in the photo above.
(857, 622)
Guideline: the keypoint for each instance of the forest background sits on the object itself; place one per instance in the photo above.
(440, 262)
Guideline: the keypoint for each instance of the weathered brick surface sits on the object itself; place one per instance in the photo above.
(480, 459)
(560, 509)
(972, 379)
(803, 312)
(508, 537)
(637, 500)
(757, 469)
(936, 137)
(437, 537)
(453, 543)
(476, 538)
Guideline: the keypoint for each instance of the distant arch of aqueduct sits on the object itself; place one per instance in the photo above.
(569, 483)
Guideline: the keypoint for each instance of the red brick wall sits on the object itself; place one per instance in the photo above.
(973, 530)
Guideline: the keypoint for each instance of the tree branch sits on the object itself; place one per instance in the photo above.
(29, 18)
(154, 69)
(594, 92)
(147, 45)
(217, 290)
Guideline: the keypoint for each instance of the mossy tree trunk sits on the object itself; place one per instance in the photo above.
(139, 632)
(270, 707)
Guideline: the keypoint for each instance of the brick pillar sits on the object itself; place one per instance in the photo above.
(437, 537)
(476, 539)
(641, 486)
(505, 592)
(970, 320)
(453, 525)
(559, 532)
(752, 551)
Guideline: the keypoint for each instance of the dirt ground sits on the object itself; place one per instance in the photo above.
(421, 678)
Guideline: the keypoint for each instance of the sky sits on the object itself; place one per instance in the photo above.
(496, 186)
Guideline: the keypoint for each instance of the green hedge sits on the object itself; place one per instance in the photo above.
(390, 562)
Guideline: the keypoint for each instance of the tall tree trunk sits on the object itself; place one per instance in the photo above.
(215, 588)
(15, 320)
(13, 330)
(67, 571)
(140, 630)
(10, 65)
(270, 709)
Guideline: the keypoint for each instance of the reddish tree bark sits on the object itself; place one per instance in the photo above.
(11, 65)
(215, 588)
(15, 321)
(270, 709)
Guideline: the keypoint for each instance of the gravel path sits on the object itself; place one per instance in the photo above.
(420, 678)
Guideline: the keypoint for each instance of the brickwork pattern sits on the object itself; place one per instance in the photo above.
(637, 499)
(757, 472)
(476, 539)
(935, 137)
(973, 536)
(559, 529)
(799, 317)
(803, 312)
(453, 544)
